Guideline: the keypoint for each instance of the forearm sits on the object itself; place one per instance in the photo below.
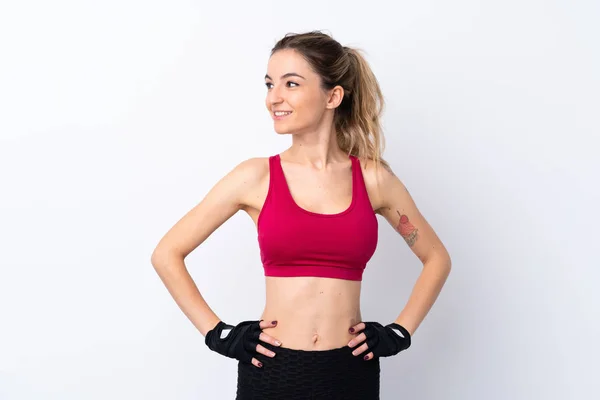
(424, 294)
(175, 276)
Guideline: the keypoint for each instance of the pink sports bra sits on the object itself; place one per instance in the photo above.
(297, 242)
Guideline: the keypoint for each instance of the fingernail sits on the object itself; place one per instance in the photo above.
(351, 330)
(277, 343)
(366, 357)
(274, 322)
(260, 364)
(350, 343)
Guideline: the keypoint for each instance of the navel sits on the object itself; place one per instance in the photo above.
(315, 338)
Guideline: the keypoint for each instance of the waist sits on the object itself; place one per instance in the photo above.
(354, 273)
(312, 313)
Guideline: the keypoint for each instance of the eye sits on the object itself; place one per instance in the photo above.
(289, 82)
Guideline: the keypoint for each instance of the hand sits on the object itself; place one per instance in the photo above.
(383, 341)
(241, 341)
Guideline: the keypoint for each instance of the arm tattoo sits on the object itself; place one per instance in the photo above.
(406, 229)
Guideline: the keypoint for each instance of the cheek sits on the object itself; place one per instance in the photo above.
(307, 105)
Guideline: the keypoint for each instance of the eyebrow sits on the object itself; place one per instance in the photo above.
(286, 76)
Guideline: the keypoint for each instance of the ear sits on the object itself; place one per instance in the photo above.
(336, 95)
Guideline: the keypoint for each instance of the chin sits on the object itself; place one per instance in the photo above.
(283, 130)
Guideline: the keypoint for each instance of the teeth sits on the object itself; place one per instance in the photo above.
(282, 113)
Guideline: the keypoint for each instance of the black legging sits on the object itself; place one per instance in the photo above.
(309, 375)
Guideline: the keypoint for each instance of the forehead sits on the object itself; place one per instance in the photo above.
(287, 60)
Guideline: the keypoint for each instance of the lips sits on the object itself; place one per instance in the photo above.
(281, 116)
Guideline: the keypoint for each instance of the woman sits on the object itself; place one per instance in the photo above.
(315, 208)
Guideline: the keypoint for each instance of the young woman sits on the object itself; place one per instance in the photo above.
(315, 207)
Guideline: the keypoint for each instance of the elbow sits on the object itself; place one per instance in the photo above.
(439, 260)
(446, 261)
(156, 259)
(161, 257)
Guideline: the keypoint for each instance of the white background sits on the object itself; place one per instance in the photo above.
(116, 117)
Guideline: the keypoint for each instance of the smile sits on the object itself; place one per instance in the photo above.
(281, 114)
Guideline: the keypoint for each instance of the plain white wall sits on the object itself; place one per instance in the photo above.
(116, 117)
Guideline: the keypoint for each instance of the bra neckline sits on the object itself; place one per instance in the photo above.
(315, 214)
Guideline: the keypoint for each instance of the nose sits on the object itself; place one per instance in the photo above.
(274, 96)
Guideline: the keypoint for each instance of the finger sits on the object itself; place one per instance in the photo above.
(368, 356)
(262, 350)
(257, 363)
(360, 350)
(267, 324)
(263, 337)
(359, 339)
(357, 328)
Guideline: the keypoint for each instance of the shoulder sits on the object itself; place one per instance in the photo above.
(250, 178)
(381, 182)
(250, 171)
(245, 176)
(253, 164)
(377, 171)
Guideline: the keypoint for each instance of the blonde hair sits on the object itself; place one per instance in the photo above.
(357, 118)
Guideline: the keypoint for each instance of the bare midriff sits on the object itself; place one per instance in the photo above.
(312, 313)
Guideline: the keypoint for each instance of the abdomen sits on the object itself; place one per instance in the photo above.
(312, 313)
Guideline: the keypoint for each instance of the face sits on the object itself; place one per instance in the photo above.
(293, 87)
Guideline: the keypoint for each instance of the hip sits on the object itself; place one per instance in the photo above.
(302, 375)
(312, 334)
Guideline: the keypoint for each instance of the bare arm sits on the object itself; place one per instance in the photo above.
(401, 212)
(220, 204)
